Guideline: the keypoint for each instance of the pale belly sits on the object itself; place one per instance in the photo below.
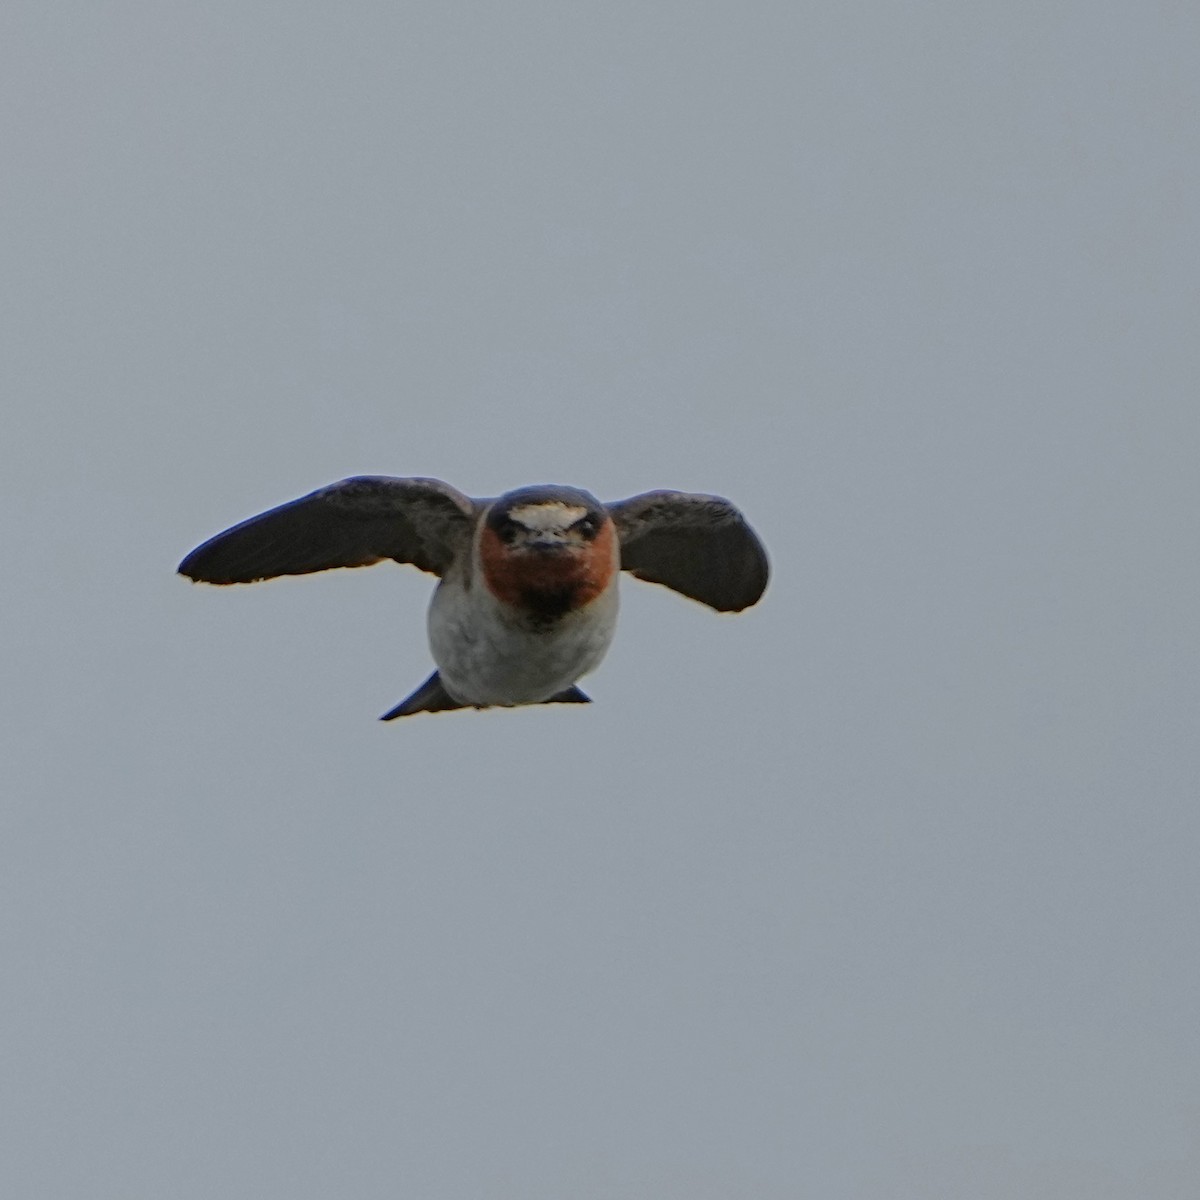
(486, 657)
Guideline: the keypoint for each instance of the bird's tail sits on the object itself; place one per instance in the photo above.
(432, 696)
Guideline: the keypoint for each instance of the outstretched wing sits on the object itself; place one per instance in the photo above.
(352, 523)
(698, 545)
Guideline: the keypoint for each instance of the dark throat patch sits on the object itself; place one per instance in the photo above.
(548, 604)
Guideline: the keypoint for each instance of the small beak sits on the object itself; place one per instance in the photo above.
(544, 545)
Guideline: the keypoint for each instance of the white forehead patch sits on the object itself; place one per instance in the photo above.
(547, 517)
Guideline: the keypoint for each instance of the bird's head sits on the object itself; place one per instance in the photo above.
(548, 549)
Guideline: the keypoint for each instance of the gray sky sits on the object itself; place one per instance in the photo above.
(886, 889)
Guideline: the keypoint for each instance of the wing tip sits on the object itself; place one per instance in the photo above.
(190, 572)
(194, 572)
(741, 603)
(756, 573)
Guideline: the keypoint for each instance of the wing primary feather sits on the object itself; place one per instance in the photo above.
(352, 523)
(698, 545)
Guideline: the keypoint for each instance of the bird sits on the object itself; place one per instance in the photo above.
(526, 604)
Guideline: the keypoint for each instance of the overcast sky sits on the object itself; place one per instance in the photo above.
(883, 890)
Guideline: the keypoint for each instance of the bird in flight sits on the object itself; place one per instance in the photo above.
(527, 599)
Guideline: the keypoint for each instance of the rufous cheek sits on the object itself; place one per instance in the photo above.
(600, 564)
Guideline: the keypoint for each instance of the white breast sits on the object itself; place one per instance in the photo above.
(486, 655)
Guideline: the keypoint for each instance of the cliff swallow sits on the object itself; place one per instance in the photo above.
(527, 602)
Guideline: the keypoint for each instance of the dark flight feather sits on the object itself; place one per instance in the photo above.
(352, 523)
(698, 545)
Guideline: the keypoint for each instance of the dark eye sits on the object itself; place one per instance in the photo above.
(587, 525)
